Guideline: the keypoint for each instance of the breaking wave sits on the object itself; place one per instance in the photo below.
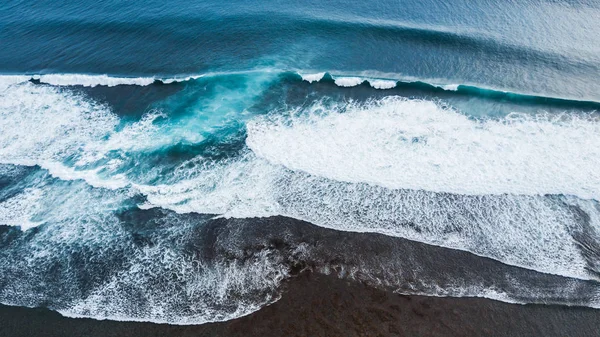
(376, 80)
(521, 189)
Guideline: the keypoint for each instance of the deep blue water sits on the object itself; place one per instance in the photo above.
(126, 127)
(542, 47)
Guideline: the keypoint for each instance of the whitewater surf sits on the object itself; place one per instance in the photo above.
(186, 167)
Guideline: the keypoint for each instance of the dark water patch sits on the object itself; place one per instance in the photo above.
(314, 305)
(132, 101)
(587, 238)
(76, 269)
(404, 265)
(424, 89)
(8, 234)
(268, 31)
(11, 175)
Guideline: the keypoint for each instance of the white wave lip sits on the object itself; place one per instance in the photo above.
(348, 81)
(382, 84)
(93, 80)
(310, 78)
(90, 80)
(450, 87)
(414, 144)
(180, 79)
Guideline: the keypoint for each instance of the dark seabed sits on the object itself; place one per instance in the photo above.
(274, 168)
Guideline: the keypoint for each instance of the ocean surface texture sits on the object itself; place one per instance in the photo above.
(179, 161)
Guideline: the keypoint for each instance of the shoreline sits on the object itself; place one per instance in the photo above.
(323, 305)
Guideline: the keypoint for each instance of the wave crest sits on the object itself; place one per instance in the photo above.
(414, 144)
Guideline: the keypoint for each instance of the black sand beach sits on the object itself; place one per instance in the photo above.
(347, 284)
(317, 305)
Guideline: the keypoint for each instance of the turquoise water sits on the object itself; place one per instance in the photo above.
(128, 127)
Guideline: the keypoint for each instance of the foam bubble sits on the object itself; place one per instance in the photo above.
(202, 292)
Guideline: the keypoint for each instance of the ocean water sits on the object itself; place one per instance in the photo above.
(153, 154)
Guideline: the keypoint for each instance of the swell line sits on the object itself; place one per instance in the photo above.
(341, 79)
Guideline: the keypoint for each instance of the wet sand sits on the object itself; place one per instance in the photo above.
(320, 305)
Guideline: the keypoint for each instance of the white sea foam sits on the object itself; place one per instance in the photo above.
(209, 293)
(356, 168)
(366, 170)
(382, 84)
(43, 123)
(54, 201)
(7, 80)
(75, 138)
(312, 77)
(348, 81)
(533, 232)
(91, 177)
(450, 87)
(18, 210)
(234, 188)
(93, 80)
(47, 126)
(413, 144)
(314, 167)
(44, 126)
(177, 287)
